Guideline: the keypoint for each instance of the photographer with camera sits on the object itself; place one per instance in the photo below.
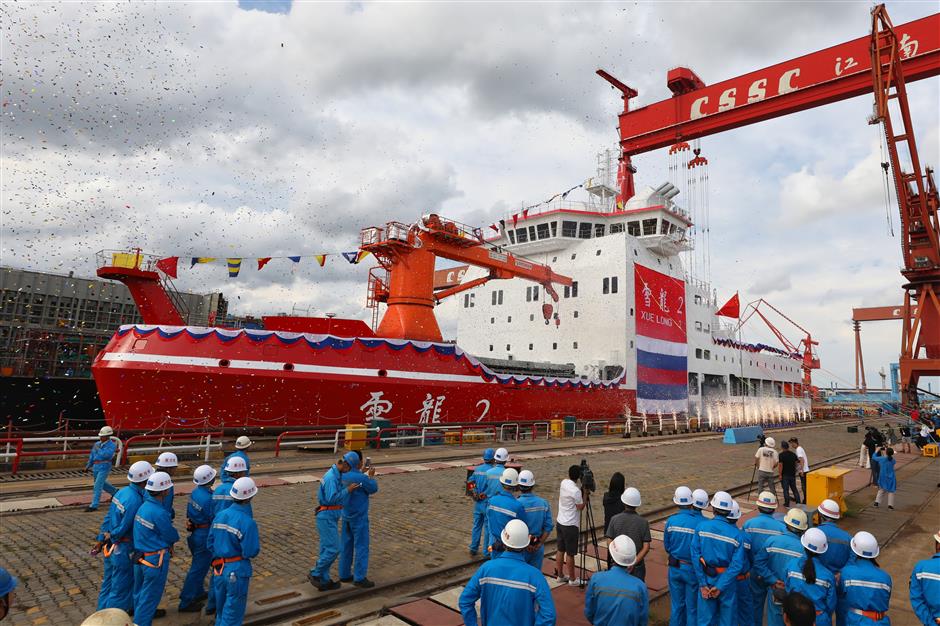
(571, 501)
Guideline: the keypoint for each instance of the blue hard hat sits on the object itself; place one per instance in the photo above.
(7, 582)
(352, 458)
(489, 454)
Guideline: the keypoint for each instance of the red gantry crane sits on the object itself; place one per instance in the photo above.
(882, 62)
(806, 347)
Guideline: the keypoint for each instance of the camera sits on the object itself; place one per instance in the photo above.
(587, 477)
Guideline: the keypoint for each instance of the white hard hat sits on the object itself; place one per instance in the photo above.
(735, 511)
(106, 431)
(235, 464)
(515, 535)
(700, 499)
(683, 496)
(204, 474)
(140, 471)
(526, 479)
(830, 508)
(108, 617)
(936, 536)
(160, 481)
(766, 499)
(502, 454)
(167, 459)
(815, 540)
(243, 442)
(509, 477)
(631, 497)
(722, 501)
(243, 489)
(865, 545)
(770, 442)
(796, 518)
(622, 550)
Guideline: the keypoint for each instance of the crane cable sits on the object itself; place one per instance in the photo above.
(885, 183)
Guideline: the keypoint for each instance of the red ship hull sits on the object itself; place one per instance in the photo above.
(189, 377)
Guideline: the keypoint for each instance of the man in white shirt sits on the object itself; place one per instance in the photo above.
(570, 504)
(765, 461)
(801, 455)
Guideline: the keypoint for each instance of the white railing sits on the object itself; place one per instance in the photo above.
(65, 443)
(204, 443)
(502, 427)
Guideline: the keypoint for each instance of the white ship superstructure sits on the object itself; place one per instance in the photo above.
(626, 265)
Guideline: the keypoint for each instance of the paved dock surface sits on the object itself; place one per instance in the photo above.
(420, 519)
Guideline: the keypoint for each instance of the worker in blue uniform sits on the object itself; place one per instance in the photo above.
(100, 460)
(154, 537)
(115, 541)
(616, 597)
(839, 551)
(500, 457)
(233, 542)
(677, 541)
(538, 517)
(502, 507)
(355, 526)
(198, 521)
(745, 603)
(167, 462)
(7, 585)
(864, 589)
(241, 447)
(233, 469)
(887, 480)
(925, 587)
(510, 590)
(717, 558)
(332, 497)
(756, 532)
(807, 575)
(772, 561)
(699, 503)
(476, 488)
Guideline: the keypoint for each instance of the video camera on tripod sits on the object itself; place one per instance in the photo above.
(587, 478)
(588, 536)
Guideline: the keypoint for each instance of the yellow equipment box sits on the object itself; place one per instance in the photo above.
(557, 429)
(931, 449)
(125, 259)
(826, 483)
(355, 437)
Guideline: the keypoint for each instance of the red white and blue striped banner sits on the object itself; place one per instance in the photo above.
(661, 342)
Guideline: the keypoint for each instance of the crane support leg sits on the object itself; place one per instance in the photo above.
(859, 361)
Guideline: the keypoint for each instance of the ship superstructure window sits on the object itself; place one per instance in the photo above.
(530, 346)
(532, 317)
(616, 228)
(532, 294)
(522, 236)
(633, 228)
(554, 226)
(599, 230)
(698, 353)
(554, 346)
(497, 297)
(610, 285)
(649, 226)
(664, 227)
(542, 230)
(569, 229)
(572, 291)
(512, 236)
(574, 345)
(708, 355)
(584, 230)
(531, 233)
(698, 299)
(468, 300)
(576, 314)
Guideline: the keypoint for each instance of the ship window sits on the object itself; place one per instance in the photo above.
(522, 236)
(574, 289)
(508, 347)
(531, 233)
(664, 227)
(509, 319)
(698, 299)
(633, 228)
(535, 293)
(574, 345)
(698, 353)
(554, 346)
(708, 355)
(530, 346)
(631, 344)
(606, 288)
(576, 314)
(492, 320)
(613, 284)
(500, 298)
(532, 317)
(512, 236)
(542, 230)
(598, 230)
(584, 230)
(554, 229)
(466, 301)
(649, 226)
(574, 256)
(554, 259)
(698, 326)
(635, 253)
(569, 229)
(491, 347)
(616, 228)
(631, 311)
(528, 294)
(493, 294)
(567, 291)
(473, 298)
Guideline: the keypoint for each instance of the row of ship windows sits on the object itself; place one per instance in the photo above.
(706, 355)
(587, 230)
(574, 345)
(609, 285)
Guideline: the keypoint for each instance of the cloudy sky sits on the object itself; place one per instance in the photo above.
(270, 129)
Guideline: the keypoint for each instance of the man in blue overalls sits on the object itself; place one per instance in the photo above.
(154, 537)
(538, 517)
(500, 457)
(115, 541)
(167, 462)
(925, 586)
(355, 525)
(198, 520)
(510, 590)
(99, 462)
(332, 497)
(233, 542)
(699, 503)
(757, 531)
(864, 589)
(241, 446)
(477, 490)
(839, 551)
(677, 541)
(718, 557)
(234, 469)
(501, 508)
(772, 561)
(615, 597)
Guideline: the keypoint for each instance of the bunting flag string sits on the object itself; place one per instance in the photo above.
(170, 265)
(524, 213)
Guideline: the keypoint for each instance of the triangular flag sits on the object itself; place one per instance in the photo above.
(168, 265)
(262, 262)
(201, 259)
(234, 265)
(515, 219)
(494, 227)
(321, 259)
(295, 259)
(353, 257)
(362, 254)
(731, 308)
(525, 214)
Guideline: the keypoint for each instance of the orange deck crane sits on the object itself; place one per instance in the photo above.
(882, 62)
(806, 347)
(404, 278)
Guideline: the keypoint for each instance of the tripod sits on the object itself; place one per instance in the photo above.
(589, 537)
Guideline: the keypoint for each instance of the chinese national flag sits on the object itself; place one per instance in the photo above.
(731, 308)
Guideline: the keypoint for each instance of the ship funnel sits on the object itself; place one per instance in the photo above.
(672, 193)
(667, 190)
